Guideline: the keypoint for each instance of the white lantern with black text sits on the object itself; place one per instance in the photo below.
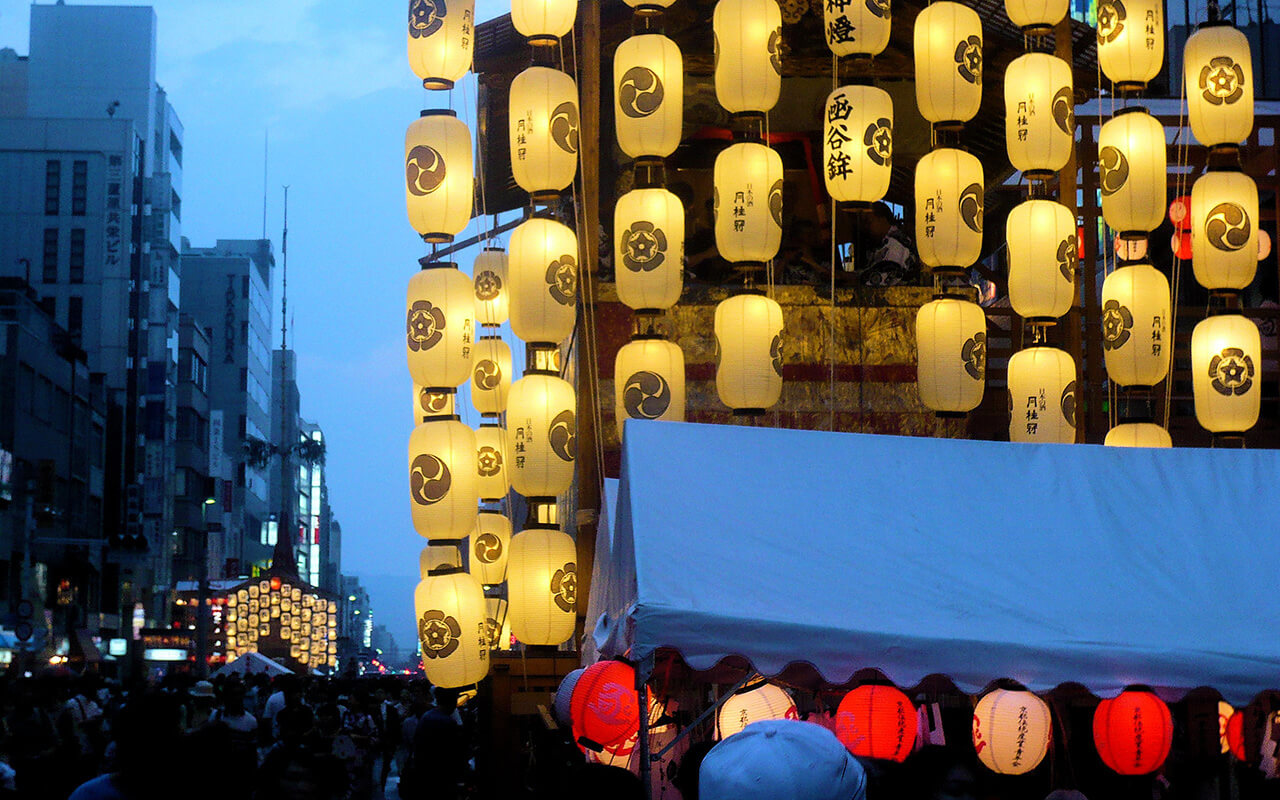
(754, 703)
(951, 354)
(543, 276)
(748, 202)
(493, 294)
(542, 429)
(441, 40)
(451, 629)
(1132, 166)
(439, 180)
(1043, 255)
(543, 130)
(948, 60)
(748, 332)
(442, 479)
(648, 95)
(748, 54)
(490, 547)
(542, 586)
(491, 375)
(1226, 373)
(648, 235)
(439, 326)
(1138, 434)
(858, 27)
(1039, 114)
(1042, 396)
(1036, 17)
(648, 381)
(1218, 70)
(1136, 339)
(857, 144)
(493, 462)
(543, 22)
(1012, 731)
(1130, 41)
(949, 202)
(1224, 230)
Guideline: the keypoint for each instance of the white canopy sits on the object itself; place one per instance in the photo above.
(253, 664)
(977, 560)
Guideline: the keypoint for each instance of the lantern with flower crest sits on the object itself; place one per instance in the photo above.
(948, 62)
(949, 198)
(1130, 41)
(493, 295)
(1218, 74)
(439, 326)
(543, 275)
(1226, 377)
(648, 238)
(441, 40)
(450, 610)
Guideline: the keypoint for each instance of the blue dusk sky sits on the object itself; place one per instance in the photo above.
(329, 81)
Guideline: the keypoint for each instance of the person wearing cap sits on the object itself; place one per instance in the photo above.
(202, 697)
(781, 760)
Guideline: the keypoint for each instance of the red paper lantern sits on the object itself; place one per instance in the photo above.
(1180, 213)
(605, 709)
(1180, 243)
(877, 722)
(1235, 735)
(1133, 732)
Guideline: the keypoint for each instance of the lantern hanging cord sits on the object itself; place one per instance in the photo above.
(831, 320)
(1180, 182)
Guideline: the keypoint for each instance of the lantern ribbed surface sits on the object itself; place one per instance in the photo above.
(1042, 396)
(440, 327)
(1226, 373)
(648, 236)
(562, 703)
(1138, 434)
(451, 627)
(1136, 341)
(490, 547)
(439, 175)
(748, 54)
(948, 62)
(877, 722)
(441, 40)
(754, 703)
(951, 354)
(1133, 732)
(748, 331)
(605, 708)
(542, 429)
(1012, 731)
(1132, 171)
(1218, 73)
(442, 479)
(648, 95)
(648, 381)
(1224, 230)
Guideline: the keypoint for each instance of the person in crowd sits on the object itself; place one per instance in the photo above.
(200, 708)
(148, 753)
(389, 734)
(361, 727)
(242, 732)
(592, 781)
(32, 743)
(889, 255)
(781, 760)
(438, 760)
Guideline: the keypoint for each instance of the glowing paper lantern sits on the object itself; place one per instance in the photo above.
(1136, 341)
(433, 403)
(561, 705)
(951, 354)
(748, 54)
(543, 128)
(542, 586)
(439, 181)
(543, 22)
(748, 202)
(439, 326)
(748, 332)
(442, 479)
(441, 40)
(648, 235)
(542, 430)
(1036, 17)
(1039, 114)
(493, 462)
(1224, 230)
(1130, 41)
(543, 276)
(1043, 256)
(948, 59)
(495, 609)
(1218, 70)
(1226, 373)
(650, 6)
(949, 202)
(1133, 732)
(1012, 731)
(438, 557)
(1138, 434)
(648, 95)
(1235, 736)
(490, 547)
(1132, 163)
(754, 702)
(450, 612)
(491, 375)
(605, 708)
(648, 381)
(877, 722)
(1042, 396)
(857, 28)
(857, 146)
(493, 295)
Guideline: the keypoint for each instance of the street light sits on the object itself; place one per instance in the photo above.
(202, 591)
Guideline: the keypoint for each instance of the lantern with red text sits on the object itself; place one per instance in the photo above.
(1011, 731)
(606, 707)
(753, 703)
(1133, 732)
(877, 722)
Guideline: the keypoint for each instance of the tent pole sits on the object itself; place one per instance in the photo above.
(644, 669)
(680, 737)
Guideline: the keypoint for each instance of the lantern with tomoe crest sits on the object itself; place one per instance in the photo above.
(542, 586)
(543, 130)
(648, 95)
(442, 478)
(648, 381)
(439, 179)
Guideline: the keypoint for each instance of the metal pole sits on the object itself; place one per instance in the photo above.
(202, 594)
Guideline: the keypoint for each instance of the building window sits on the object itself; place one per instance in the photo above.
(79, 187)
(76, 256)
(175, 204)
(50, 255)
(75, 316)
(52, 188)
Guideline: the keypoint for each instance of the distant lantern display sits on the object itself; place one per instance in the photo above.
(748, 332)
(1039, 114)
(1218, 70)
(948, 61)
(451, 629)
(854, 29)
(543, 128)
(1224, 230)
(648, 235)
(1042, 396)
(1133, 732)
(442, 479)
(439, 177)
(1136, 335)
(648, 95)
(1043, 257)
(951, 354)
(543, 22)
(542, 431)
(491, 375)
(542, 586)
(748, 54)
(949, 202)
(605, 707)
(433, 402)
(1130, 41)
(877, 722)
(1132, 167)
(748, 202)
(648, 381)
(269, 615)
(441, 40)
(857, 146)
(754, 702)
(1226, 373)
(1138, 434)
(543, 275)
(493, 462)
(439, 326)
(1012, 731)
(1036, 17)
(493, 295)
(438, 557)
(490, 547)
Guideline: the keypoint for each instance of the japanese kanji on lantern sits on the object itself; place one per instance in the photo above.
(748, 202)
(491, 375)
(543, 131)
(648, 95)
(648, 381)
(857, 146)
(542, 428)
(493, 460)
(1012, 731)
(1133, 732)
(648, 237)
(1130, 41)
(748, 331)
(543, 22)
(948, 62)
(493, 295)
(1224, 229)
(1138, 434)
(543, 276)
(451, 628)
(442, 478)
(949, 192)
(755, 702)
(1226, 373)
(542, 586)
(1132, 172)
(1042, 396)
(438, 175)
(1043, 255)
(439, 326)
(951, 354)
(1036, 17)
(1039, 109)
(748, 54)
(878, 722)
(490, 547)
(857, 27)
(1218, 75)
(1136, 341)
(441, 40)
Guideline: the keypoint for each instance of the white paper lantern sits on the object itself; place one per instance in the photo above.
(1138, 434)
(1132, 165)
(948, 60)
(648, 381)
(1012, 731)
(491, 375)
(857, 28)
(857, 146)
(949, 202)
(951, 354)
(542, 586)
(450, 612)
(648, 95)
(543, 22)
(542, 429)
(1130, 41)
(754, 703)
(495, 609)
(1036, 17)
(433, 403)
(438, 557)
(543, 130)
(1042, 395)
(748, 202)
(543, 276)
(1226, 373)
(442, 479)
(748, 54)
(1136, 340)
(748, 332)
(493, 294)
(1218, 70)
(648, 235)
(493, 462)
(490, 547)
(1043, 256)
(439, 326)
(439, 178)
(441, 40)
(1039, 114)
(1224, 230)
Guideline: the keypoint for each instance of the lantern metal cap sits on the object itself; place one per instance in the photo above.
(1037, 29)
(648, 337)
(493, 249)
(1214, 23)
(1130, 87)
(490, 420)
(749, 412)
(436, 572)
(438, 112)
(1039, 175)
(951, 414)
(491, 337)
(1130, 110)
(551, 372)
(428, 262)
(492, 512)
(1134, 236)
(437, 237)
(441, 418)
(437, 84)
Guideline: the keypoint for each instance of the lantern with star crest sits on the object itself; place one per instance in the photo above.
(543, 131)
(439, 326)
(1224, 229)
(1043, 254)
(748, 54)
(1226, 373)
(1130, 41)
(493, 462)
(748, 331)
(857, 147)
(441, 40)
(439, 179)
(1136, 341)
(648, 381)
(542, 586)
(948, 61)
(949, 204)
(748, 202)
(1042, 396)
(451, 628)
(951, 355)
(1218, 74)
(648, 237)
(648, 95)
(543, 276)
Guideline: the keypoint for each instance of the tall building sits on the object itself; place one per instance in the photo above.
(193, 534)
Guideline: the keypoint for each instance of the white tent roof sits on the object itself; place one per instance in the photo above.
(977, 560)
(253, 663)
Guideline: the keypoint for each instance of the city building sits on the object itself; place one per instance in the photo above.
(197, 523)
